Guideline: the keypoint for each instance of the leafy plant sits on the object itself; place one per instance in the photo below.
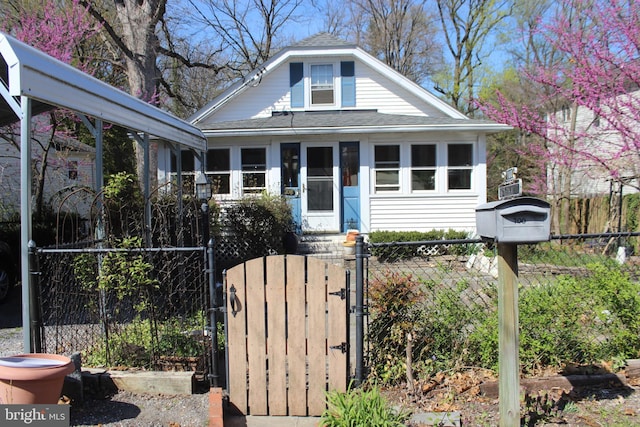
(127, 273)
(413, 247)
(361, 407)
(260, 223)
(580, 320)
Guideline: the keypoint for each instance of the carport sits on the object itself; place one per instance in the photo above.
(34, 82)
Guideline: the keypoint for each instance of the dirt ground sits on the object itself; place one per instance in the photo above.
(610, 403)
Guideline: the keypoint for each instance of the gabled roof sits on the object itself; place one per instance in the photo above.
(319, 45)
(25, 71)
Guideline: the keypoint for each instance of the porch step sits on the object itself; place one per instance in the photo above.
(321, 244)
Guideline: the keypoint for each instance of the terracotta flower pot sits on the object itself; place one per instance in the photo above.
(35, 378)
(351, 235)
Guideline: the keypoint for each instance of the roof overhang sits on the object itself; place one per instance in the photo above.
(347, 122)
(351, 130)
(50, 82)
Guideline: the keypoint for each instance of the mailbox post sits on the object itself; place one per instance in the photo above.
(508, 223)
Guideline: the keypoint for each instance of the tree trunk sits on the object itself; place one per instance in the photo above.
(139, 20)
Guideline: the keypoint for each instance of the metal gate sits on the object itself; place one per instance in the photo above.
(288, 339)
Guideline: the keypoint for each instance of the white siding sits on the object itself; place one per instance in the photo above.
(373, 92)
(423, 213)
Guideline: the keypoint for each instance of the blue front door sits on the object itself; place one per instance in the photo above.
(350, 173)
(290, 179)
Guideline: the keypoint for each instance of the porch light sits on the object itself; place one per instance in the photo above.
(203, 187)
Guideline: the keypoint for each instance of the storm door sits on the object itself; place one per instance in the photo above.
(320, 203)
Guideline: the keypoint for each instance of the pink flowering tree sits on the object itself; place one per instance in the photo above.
(61, 30)
(587, 108)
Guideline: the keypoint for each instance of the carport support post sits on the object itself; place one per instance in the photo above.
(25, 218)
(508, 335)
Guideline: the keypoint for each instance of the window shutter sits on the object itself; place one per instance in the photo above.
(296, 84)
(348, 78)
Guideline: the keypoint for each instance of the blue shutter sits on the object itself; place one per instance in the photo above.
(296, 84)
(348, 79)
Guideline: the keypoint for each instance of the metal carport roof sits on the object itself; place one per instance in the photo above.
(31, 82)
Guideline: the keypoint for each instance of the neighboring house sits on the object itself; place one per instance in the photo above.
(70, 167)
(351, 142)
(597, 165)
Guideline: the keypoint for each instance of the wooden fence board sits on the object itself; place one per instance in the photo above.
(317, 339)
(337, 328)
(276, 335)
(237, 331)
(256, 331)
(297, 330)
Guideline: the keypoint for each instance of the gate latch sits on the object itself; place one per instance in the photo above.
(342, 293)
(343, 347)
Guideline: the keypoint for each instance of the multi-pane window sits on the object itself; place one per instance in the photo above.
(72, 167)
(187, 164)
(322, 84)
(423, 167)
(219, 170)
(387, 168)
(254, 170)
(460, 165)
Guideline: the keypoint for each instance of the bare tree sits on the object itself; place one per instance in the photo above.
(467, 26)
(248, 29)
(402, 34)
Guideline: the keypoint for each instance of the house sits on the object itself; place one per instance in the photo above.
(351, 142)
(596, 159)
(70, 170)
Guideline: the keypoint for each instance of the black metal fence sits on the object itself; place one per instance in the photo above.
(146, 308)
(427, 306)
(433, 305)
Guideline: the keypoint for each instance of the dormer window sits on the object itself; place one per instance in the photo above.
(322, 84)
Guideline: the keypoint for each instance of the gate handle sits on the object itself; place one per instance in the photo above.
(232, 300)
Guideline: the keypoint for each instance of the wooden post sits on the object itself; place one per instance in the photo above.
(508, 335)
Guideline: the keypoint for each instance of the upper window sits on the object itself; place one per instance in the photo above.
(423, 167)
(219, 170)
(387, 168)
(254, 170)
(460, 165)
(322, 84)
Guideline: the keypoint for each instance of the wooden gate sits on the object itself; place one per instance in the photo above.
(287, 334)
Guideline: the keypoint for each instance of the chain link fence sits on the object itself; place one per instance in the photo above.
(433, 306)
(127, 307)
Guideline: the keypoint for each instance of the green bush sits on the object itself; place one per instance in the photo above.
(393, 300)
(360, 407)
(579, 320)
(260, 223)
(392, 253)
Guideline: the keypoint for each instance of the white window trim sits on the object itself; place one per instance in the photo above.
(411, 168)
(229, 172)
(375, 169)
(337, 92)
(448, 168)
(240, 178)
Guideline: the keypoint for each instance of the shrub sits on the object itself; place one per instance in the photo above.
(260, 223)
(579, 320)
(413, 247)
(360, 407)
(394, 313)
